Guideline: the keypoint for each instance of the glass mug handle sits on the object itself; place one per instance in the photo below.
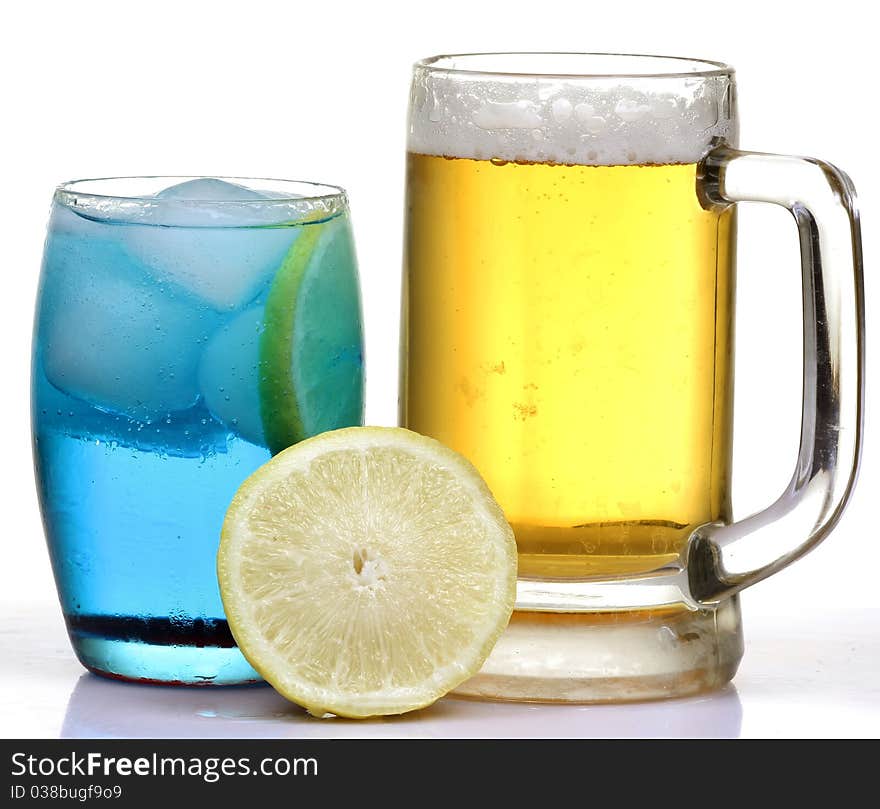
(721, 559)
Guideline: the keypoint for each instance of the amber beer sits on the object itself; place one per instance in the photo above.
(568, 329)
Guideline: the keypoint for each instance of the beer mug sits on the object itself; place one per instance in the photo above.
(568, 327)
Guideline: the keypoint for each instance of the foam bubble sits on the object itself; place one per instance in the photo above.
(589, 121)
(561, 109)
(513, 115)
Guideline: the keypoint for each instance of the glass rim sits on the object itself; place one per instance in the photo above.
(329, 191)
(135, 200)
(700, 68)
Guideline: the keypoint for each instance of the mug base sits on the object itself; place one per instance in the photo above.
(626, 656)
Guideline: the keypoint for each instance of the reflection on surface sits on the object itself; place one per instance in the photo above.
(100, 708)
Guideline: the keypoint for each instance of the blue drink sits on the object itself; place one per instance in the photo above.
(182, 336)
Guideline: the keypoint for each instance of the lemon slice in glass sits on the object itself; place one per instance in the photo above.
(366, 571)
(311, 364)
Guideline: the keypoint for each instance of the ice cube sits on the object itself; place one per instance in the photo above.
(209, 189)
(224, 267)
(109, 333)
(229, 375)
(208, 252)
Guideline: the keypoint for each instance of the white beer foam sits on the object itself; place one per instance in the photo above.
(593, 121)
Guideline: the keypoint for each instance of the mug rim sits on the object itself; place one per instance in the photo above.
(699, 68)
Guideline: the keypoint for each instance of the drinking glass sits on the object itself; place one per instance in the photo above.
(187, 328)
(568, 326)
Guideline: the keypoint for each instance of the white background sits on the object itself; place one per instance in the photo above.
(318, 91)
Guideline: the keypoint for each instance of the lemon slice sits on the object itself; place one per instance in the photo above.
(366, 571)
(311, 348)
